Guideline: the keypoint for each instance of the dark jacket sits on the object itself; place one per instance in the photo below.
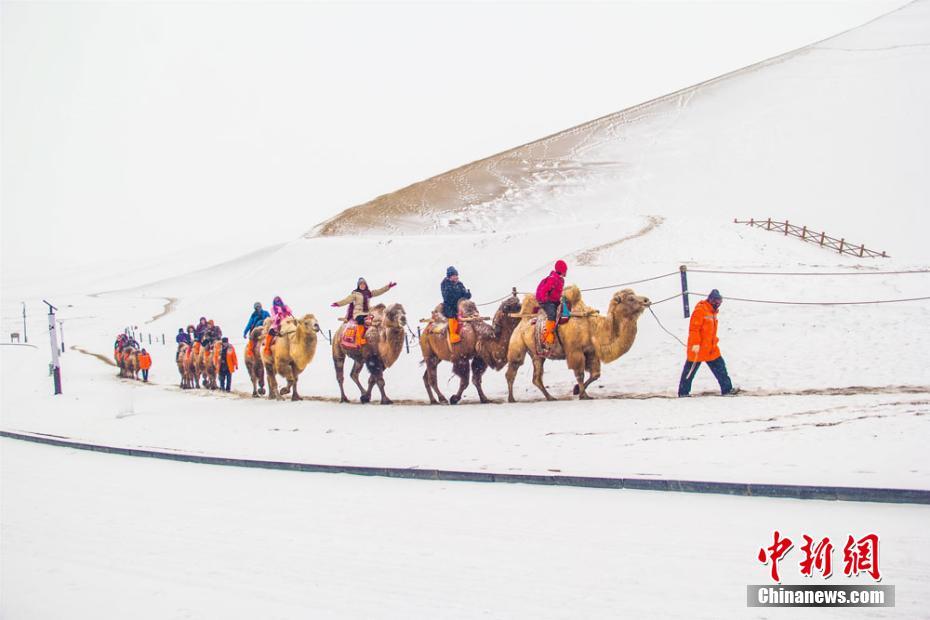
(256, 319)
(183, 337)
(550, 289)
(452, 293)
(199, 331)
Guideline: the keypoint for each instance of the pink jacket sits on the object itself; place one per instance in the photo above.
(278, 314)
(550, 289)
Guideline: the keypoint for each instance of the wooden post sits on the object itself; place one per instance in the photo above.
(163, 338)
(841, 245)
(418, 331)
(684, 290)
(330, 335)
(751, 222)
(407, 342)
(822, 235)
(770, 224)
(786, 228)
(804, 233)
(861, 250)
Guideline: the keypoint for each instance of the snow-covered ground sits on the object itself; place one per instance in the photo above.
(110, 537)
(834, 137)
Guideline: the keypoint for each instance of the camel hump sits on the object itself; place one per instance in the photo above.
(573, 294)
(467, 308)
(529, 304)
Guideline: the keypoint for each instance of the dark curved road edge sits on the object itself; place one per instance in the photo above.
(791, 491)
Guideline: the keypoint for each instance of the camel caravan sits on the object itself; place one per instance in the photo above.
(130, 358)
(553, 324)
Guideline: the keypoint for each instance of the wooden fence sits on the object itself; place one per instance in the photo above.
(821, 238)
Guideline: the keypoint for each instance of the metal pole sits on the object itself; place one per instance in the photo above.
(53, 338)
(61, 329)
(25, 337)
(684, 290)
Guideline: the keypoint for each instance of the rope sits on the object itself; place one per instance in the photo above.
(600, 288)
(665, 330)
(817, 303)
(810, 273)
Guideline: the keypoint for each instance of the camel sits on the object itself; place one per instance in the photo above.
(210, 366)
(196, 361)
(128, 361)
(183, 361)
(584, 342)
(385, 341)
(292, 350)
(253, 361)
(481, 346)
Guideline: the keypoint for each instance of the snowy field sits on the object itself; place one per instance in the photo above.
(831, 394)
(149, 539)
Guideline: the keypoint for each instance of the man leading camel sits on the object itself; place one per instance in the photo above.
(453, 291)
(549, 295)
(702, 346)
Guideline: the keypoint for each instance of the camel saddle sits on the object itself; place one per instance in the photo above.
(348, 338)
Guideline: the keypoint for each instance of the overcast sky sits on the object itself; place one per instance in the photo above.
(167, 126)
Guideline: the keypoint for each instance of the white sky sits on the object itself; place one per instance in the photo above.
(154, 128)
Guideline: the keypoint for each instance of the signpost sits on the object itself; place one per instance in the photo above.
(53, 338)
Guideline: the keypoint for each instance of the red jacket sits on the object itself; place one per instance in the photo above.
(702, 331)
(550, 289)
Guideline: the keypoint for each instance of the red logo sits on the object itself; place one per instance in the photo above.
(859, 556)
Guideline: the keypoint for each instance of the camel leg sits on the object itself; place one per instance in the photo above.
(339, 361)
(478, 366)
(593, 365)
(538, 363)
(434, 380)
(460, 368)
(294, 394)
(272, 382)
(577, 363)
(430, 363)
(515, 359)
(260, 373)
(356, 371)
(376, 371)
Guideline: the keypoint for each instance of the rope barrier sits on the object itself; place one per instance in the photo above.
(810, 273)
(665, 330)
(815, 303)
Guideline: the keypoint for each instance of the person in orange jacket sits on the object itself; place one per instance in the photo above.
(228, 364)
(702, 346)
(145, 362)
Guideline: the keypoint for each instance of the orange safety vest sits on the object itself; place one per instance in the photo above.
(231, 361)
(145, 361)
(702, 331)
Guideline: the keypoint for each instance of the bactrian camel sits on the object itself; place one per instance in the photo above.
(253, 361)
(292, 350)
(585, 342)
(384, 342)
(482, 346)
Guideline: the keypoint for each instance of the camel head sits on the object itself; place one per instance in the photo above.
(572, 293)
(628, 305)
(395, 316)
(310, 323)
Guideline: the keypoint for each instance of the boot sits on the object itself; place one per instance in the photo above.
(549, 336)
(360, 335)
(268, 338)
(454, 331)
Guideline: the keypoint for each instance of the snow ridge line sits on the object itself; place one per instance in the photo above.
(788, 491)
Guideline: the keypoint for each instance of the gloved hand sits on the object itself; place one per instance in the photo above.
(695, 349)
(334, 305)
(392, 284)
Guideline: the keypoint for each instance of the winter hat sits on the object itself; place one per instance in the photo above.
(257, 305)
(277, 302)
(451, 271)
(561, 267)
(180, 330)
(715, 296)
(361, 281)
(225, 340)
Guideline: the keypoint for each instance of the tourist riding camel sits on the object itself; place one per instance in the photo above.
(253, 361)
(293, 349)
(453, 291)
(279, 312)
(549, 296)
(256, 319)
(383, 345)
(200, 329)
(358, 302)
